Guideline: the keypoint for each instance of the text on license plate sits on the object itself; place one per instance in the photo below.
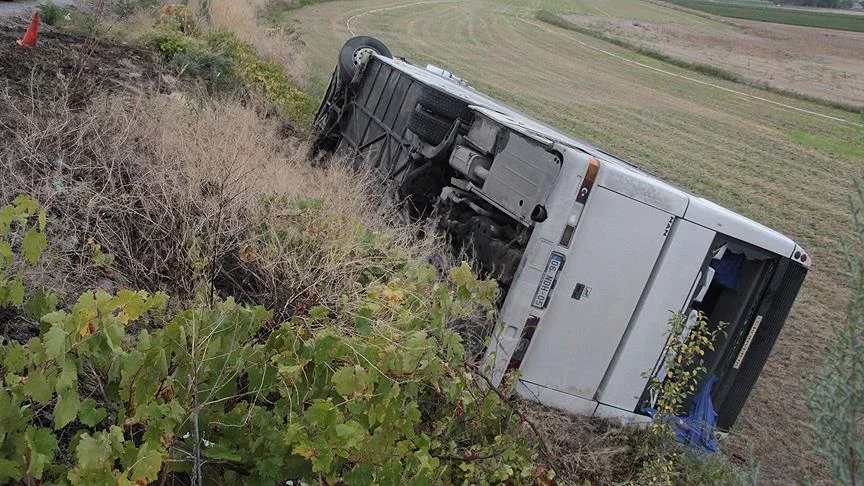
(547, 283)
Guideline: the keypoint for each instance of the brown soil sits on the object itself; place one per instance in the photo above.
(79, 66)
(819, 62)
(47, 86)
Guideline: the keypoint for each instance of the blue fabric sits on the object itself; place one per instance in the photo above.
(728, 270)
(697, 428)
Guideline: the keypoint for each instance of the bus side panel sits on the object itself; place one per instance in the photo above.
(772, 314)
(610, 260)
(374, 129)
(667, 292)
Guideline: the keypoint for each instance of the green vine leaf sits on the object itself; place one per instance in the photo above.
(91, 415)
(41, 444)
(147, 465)
(15, 292)
(55, 342)
(37, 386)
(9, 470)
(15, 359)
(66, 409)
(351, 434)
(33, 244)
(94, 452)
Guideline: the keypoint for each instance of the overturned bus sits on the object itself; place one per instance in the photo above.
(592, 254)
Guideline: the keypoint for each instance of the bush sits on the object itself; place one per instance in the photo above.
(120, 389)
(835, 396)
(204, 64)
(51, 13)
(218, 55)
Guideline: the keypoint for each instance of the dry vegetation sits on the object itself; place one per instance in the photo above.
(171, 185)
(273, 42)
(817, 62)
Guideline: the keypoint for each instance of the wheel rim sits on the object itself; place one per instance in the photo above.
(358, 54)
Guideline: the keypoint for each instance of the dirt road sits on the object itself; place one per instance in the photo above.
(787, 168)
(25, 7)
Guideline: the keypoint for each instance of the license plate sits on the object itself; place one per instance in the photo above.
(541, 297)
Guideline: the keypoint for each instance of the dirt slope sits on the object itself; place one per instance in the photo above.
(84, 67)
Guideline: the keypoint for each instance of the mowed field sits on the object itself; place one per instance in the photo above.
(824, 63)
(784, 162)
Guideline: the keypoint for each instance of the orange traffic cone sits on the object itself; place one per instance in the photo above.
(29, 39)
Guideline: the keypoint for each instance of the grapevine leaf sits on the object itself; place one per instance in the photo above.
(66, 409)
(55, 342)
(9, 470)
(16, 358)
(40, 304)
(43, 219)
(351, 433)
(93, 452)
(343, 381)
(37, 386)
(90, 414)
(15, 292)
(361, 474)
(462, 276)
(33, 244)
(68, 377)
(148, 463)
(25, 203)
(5, 253)
(133, 304)
(41, 444)
(321, 413)
(363, 321)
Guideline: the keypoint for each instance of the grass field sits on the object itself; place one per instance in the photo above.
(809, 18)
(784, 162)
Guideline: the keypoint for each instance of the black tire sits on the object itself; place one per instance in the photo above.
(428, 127)
(349, 56)
(444, 105)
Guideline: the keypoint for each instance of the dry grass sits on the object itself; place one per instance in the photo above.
(587, 449)
(173, 187)
(273, 43)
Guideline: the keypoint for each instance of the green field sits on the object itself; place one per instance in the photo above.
(826, 20)
(784, 162)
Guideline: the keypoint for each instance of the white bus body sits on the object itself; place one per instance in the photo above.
(594, 254)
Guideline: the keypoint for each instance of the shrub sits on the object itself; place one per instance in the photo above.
(219, 54)
(118, 389)
(264, 76)
(835, 395)
(201, 63)
(51, 13)
(665, 461)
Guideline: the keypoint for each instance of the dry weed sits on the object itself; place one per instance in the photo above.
(586, 448)
(273, 43)
(173, 188)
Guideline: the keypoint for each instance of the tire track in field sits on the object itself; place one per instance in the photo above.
(387, 9)
(613, 55)
(689, 78)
